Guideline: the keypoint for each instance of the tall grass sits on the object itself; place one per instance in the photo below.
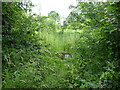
(60, 41)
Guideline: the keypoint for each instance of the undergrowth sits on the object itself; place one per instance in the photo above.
(39, 53)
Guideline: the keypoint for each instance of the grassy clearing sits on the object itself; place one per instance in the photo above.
(61, 41)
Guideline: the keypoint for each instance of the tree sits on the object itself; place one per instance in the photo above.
(54, 15)
(72, 21)
(102, 20)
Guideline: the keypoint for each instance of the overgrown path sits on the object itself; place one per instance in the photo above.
(41, 52)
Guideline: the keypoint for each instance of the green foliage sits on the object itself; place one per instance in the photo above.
(54, 15)
(59, 42)
(33, 47)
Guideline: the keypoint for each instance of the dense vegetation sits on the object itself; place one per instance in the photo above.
(34, 47)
